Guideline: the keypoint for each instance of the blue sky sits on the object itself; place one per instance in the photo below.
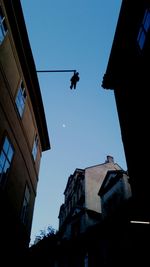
(83, 124)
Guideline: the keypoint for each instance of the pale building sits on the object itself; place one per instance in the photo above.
(82, 208)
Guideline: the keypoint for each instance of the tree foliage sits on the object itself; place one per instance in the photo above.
(49, 231)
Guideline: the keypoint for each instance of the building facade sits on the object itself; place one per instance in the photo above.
(81, 208)
(90, 237)
(127, 74)
(123, 241)
(23, 129)
(115, 192)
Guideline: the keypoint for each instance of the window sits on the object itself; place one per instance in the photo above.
(35, 147)
(3, 27)
(86, 260)
(21, 99)
(6, 155)
(25, 205)
(144, 29)
(75, 228)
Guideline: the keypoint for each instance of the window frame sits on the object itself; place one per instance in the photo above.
(25, 204)
(3, 26)
(6, 156)
(35, 147)
(21, 99)
(144, 29)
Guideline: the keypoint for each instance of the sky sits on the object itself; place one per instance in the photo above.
(83, 124)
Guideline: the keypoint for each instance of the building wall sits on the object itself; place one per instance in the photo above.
(21, 132)
(17, 129)
(12, 75)
(85, 211)
(127, 74)
(74, 195)
(115, 198)
(94, 177)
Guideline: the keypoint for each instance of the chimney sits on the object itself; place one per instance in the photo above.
(110, 159)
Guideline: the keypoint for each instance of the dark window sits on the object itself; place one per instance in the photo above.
(35, 147)
(144, 29)
(75, 229)
(6, 155)
(3, 27)
(21, 99)
(25, 205)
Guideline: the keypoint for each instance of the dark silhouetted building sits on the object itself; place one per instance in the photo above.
(127, 74)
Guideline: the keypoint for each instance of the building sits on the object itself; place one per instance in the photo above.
(81, 208)
(80, 218)
(115, 240)
(115, 192)
(23, 130)
(127, 73)
(123, 241)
